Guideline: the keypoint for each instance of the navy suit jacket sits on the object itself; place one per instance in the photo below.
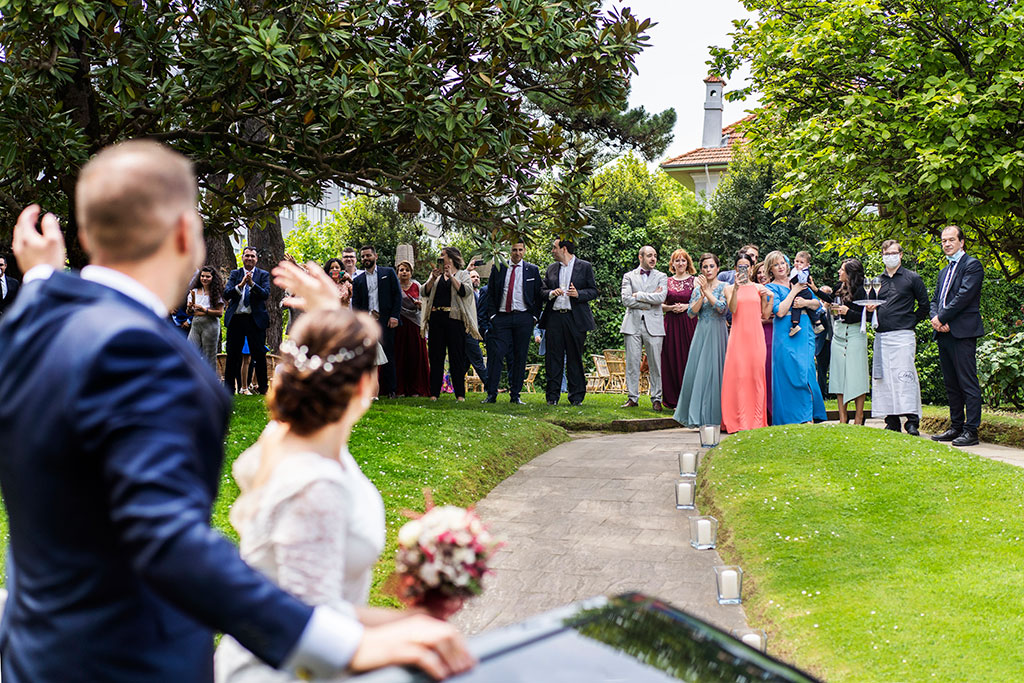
(389, 294)
(258, 294)
(483, 311)
(963, 299)
(583, 277)
(12, 291)
(112, 427)
(532, 296)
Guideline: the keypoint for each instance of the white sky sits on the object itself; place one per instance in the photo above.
(672, 69)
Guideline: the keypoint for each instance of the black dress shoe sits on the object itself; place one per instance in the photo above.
(911, 429)
(552, 403)
(966, 439)
(630, 403)
(947, 435)
(575, 403)
(490, 399)
(518, 401)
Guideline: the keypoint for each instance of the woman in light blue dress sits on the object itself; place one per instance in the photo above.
(796, 396)
(700, 397)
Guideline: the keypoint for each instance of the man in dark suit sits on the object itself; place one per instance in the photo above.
(956, 319)
(246, 319)
(376, 290)
(473, 355)
(514, 300)
(568, 285)
(113, 427)
(8, 287)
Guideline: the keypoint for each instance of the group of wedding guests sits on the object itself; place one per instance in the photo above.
(739, 347)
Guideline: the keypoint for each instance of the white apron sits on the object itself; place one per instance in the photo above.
(895, 389)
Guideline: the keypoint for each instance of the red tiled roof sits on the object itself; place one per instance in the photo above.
(713, 79)
(711, 155)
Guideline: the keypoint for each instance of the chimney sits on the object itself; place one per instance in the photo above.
(713, 112)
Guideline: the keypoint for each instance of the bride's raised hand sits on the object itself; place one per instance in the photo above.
(310, 289)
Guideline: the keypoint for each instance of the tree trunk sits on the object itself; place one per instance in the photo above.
(270, 243)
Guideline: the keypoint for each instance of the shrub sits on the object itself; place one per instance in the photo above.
(1001, 370)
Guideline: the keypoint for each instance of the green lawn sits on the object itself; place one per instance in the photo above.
(874, 556)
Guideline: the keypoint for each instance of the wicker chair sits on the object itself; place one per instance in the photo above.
(473, 381)
(616, 361)
(531, 376)
(598, 380)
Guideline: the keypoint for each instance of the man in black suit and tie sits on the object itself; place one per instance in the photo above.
(113, 429)
(514, 298)
(376, 290)
(8, 287)
(956, 319)
(568, 285)
(246, 319)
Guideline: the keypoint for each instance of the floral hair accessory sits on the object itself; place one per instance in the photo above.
(311, 363)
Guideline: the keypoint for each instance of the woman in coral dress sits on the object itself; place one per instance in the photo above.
(679, 327)
(743, 380)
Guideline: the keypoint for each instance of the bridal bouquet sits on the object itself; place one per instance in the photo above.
(442, 558)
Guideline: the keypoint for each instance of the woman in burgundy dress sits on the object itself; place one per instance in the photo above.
(760, 275)
(411, 365)
(679, 326)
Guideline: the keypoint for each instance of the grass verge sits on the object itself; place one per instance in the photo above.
(873, 556)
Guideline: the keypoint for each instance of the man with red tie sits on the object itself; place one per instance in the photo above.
(956, 319)
(515, 297)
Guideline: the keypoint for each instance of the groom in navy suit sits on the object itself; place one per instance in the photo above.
(956, 319)
(113, 426)
(246, 318)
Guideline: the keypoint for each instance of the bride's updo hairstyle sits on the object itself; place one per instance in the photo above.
(321, 365)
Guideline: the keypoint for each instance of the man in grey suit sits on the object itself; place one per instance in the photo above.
(643, 292)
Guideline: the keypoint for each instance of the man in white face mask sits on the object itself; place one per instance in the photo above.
(896, 391)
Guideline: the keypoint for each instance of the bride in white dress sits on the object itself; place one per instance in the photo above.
(307, 517)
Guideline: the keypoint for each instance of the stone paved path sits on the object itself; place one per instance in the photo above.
(596, 516)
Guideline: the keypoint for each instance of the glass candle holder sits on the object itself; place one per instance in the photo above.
(729, 581)
(703, 532)
(687, 464)
(686, 490)
(710, 435)
(752, 637)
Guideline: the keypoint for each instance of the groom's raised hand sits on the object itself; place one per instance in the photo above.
(421, 641)
(34, 247)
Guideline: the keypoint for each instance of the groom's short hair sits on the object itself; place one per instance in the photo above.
(130, 196)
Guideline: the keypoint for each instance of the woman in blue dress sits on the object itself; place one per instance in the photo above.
(796, 396)
(700, 397)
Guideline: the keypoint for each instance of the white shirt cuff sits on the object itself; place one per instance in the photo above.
(326, 645)
(40, 272)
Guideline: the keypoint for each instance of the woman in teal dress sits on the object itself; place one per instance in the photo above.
(700, 397)
(796, 396)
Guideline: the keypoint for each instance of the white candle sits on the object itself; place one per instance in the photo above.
(730, 585)
(703, 532)
(753, 640)
(687, 463)
(684, 493)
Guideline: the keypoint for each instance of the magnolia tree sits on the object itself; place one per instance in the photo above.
(487, 110)
(891, 117)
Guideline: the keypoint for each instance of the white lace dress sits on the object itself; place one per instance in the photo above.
(316, 528)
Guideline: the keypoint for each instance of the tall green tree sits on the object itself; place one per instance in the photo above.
(357, 222)
(275, 100)
(891, 117)
(632, 207)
